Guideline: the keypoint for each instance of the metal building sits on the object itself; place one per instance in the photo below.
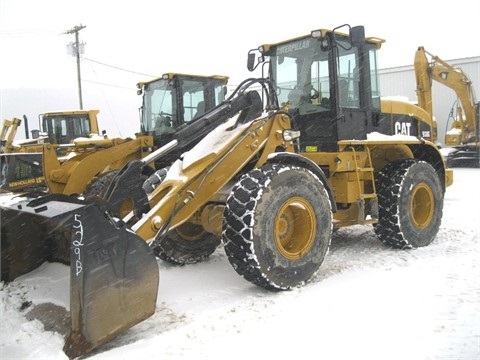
(400, 81)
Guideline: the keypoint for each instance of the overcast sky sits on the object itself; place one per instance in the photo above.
(152, 37)
(128, 42)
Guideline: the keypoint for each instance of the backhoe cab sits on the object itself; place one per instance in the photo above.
(288, 157)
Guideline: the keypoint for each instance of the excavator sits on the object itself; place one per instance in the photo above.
(68, 159)
(287, 158)
(464, 134)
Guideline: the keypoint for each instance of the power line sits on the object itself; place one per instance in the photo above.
(230, 86)
(25, 33)
(111, 85)
(118, 68)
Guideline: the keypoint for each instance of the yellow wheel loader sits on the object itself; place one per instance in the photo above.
(66, 159)
(288, 157)
(57, 127)
(21, 161)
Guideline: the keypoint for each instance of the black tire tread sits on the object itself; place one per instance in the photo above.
(389, 183)
(239, 216)
(175, 250)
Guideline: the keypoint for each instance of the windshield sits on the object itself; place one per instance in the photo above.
(158, 105)
(300, 70)
(62, 129)
(169, 104)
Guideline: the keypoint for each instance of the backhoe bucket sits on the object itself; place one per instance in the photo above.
(113, 273)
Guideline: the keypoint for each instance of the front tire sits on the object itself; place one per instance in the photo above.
(277, 226)
(410, 200)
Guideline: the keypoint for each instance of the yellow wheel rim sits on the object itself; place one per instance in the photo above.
(295, 228)
(422, 205)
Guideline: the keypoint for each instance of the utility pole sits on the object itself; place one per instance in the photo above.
(76, 47)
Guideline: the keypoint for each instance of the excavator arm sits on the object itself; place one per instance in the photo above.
(454, 78)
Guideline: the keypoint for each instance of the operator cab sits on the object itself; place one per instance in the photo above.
(329, 82)
(174, 100)
(325, 79)
(64, 127)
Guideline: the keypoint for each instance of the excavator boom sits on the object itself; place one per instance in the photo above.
(463, 134)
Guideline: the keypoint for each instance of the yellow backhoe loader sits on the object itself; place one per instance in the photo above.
(288, 157)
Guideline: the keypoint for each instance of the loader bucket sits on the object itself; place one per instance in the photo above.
(113, 273)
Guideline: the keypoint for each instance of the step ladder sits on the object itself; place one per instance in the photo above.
(366, 173)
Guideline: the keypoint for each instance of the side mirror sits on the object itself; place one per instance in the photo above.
(35, 134)
(357, 34)
(251, 61)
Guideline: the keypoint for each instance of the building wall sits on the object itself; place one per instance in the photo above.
(400, 81)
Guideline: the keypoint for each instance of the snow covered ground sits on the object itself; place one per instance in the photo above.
(367, 302)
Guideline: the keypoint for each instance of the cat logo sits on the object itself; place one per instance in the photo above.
(402, 128)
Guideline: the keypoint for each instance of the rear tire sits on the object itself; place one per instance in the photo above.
(98, 188)
(100, 184)
(410, 201)
(277, 226)
(187, 244)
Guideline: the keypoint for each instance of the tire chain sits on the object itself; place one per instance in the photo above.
(236, 237)
(393, 174)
